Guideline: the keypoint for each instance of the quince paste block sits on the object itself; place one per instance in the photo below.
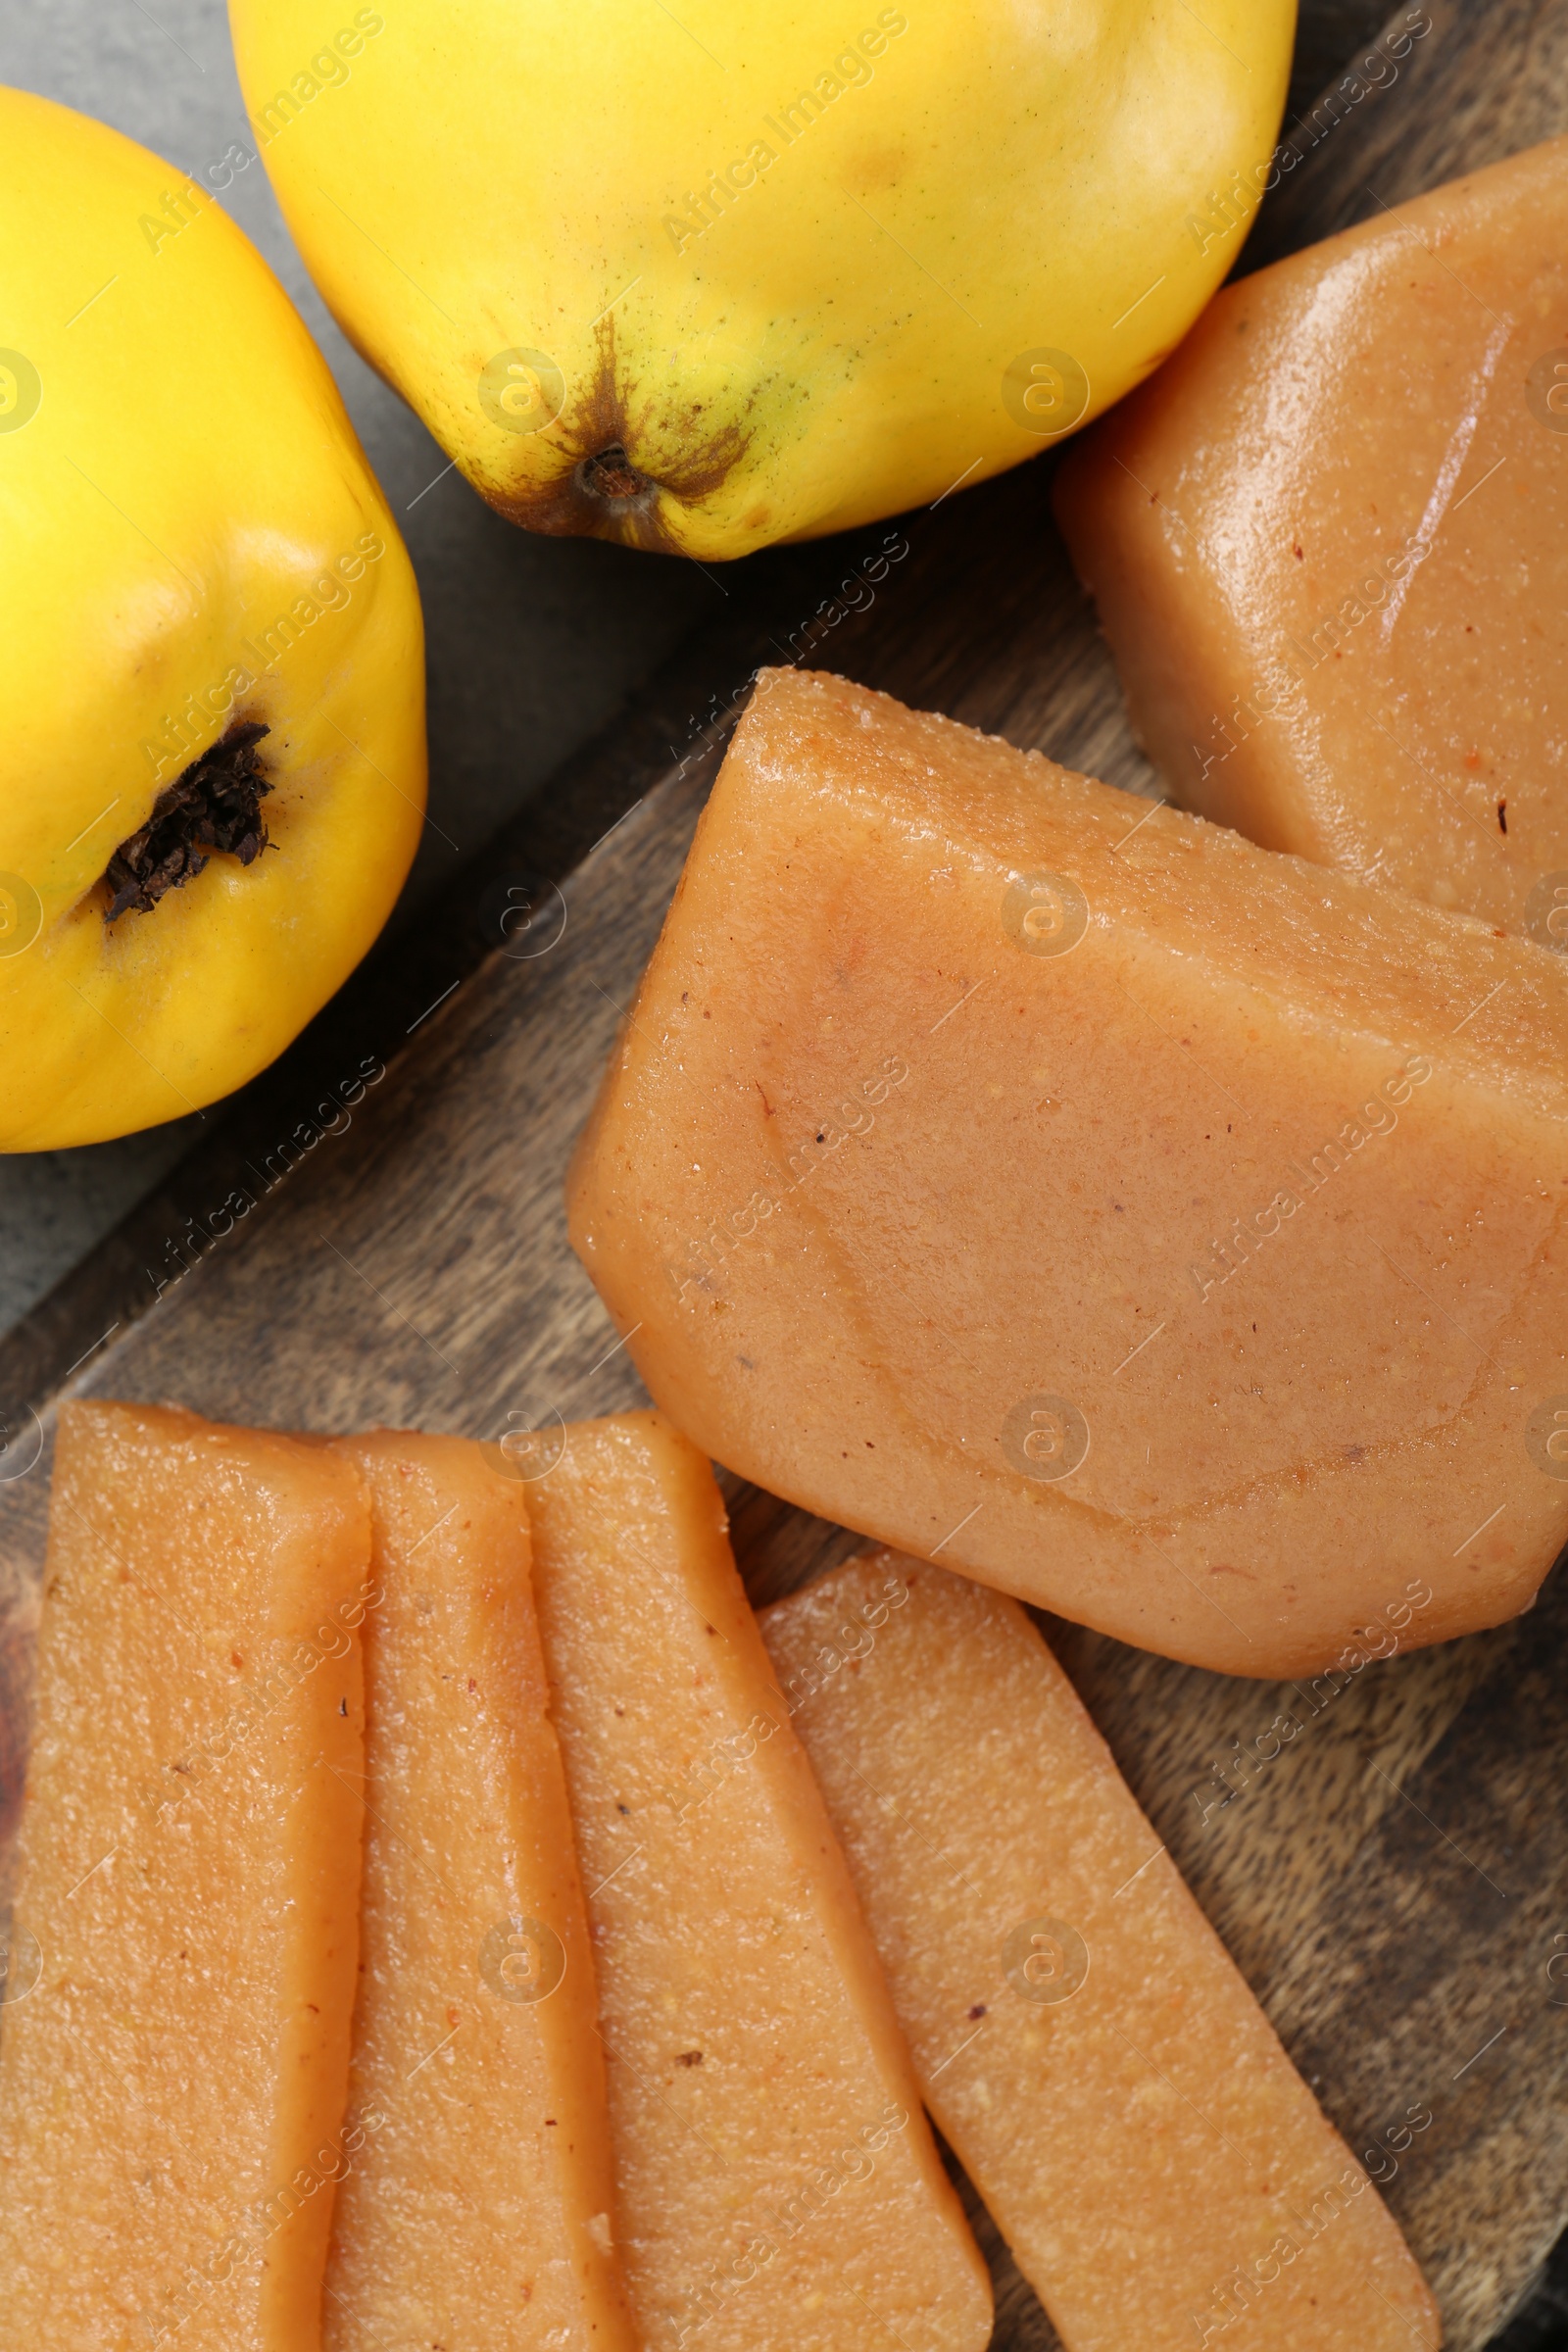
(1329, 545)
(482, 2210)
(779, 2190)
(1162, 2172)
(173, 2078)
(1168, 1233)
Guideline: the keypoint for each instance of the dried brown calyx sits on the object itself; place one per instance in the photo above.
(610, 476)
(215, 804)
(620, 462)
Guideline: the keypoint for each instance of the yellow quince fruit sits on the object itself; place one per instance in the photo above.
(211, 723)
(703, 276)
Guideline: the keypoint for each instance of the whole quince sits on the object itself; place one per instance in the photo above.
(212, 727)
(702, 277)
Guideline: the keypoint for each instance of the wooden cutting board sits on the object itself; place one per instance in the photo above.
(376, 1234)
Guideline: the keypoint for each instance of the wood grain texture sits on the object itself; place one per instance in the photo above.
(1394, 1882)
(1490, 76)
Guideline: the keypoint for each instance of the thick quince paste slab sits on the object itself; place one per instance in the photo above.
(1329, 544)
(481, 2211)
(1164, 1231)
(173, 2078)
(1162, 2175)
(779, 2190)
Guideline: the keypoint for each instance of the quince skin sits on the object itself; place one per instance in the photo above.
(212, 674)
(703, 277)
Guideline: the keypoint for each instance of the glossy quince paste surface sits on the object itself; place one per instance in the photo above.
(1088, 2047)
(1165, 1231)
(779, 2190)
(1329, 544)
(172, 2087)
(483, 2203)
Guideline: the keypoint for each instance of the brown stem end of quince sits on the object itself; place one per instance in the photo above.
(611, 479)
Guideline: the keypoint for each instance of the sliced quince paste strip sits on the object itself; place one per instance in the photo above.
(778, 2184)
(1082, 2037)
(175, 2042)
(482, 2210)
(1169, 1233)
